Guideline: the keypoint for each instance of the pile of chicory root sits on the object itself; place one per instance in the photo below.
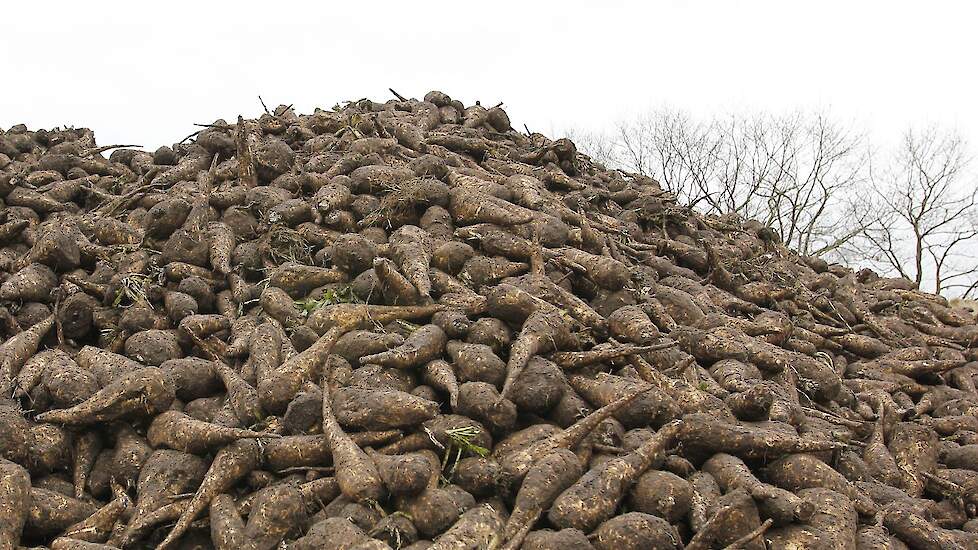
(407, 325)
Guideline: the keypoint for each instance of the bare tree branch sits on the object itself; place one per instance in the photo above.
(931, 212)
(814, 182)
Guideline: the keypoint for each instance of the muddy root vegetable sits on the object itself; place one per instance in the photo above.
(165, 475)
(803, 471)
(516, 464)
(543, 331)
(917, 532)
(144, 392)
(421, 346)
(332, 534)
(178, 431)
(481, 401)
(547, 479)
(437, 509)
(654, 407)
(65, 543)
(411, 247)
(833, 525)
(600, 354)
(227, 528)
(782, 506)
(735, 515)
(299, 280)
(87, 447)
(221, 247)
(355, 472)
(17, 350)
(351, 316)
(635, 530)
(404, 474)
(280, 386)
(98, 527)
(469, 207)
(594, 498)
(31, 284)
(662, 494)
(395, 287)
(51, 512)
(230, 464)
(565, 539)
(439, 375)
(380, 409)
(15, 502)
(703, 432)
(242, 397)
(914, 450)
(277, 511)
(480, 527)
(605, 271)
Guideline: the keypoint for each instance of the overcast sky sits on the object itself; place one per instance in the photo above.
(145, 72)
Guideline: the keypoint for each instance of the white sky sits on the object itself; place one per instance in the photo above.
(144, 72)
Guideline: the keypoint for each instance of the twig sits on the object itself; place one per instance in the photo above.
(105, 148)
(122, 201)
(832, 418)
(609, 449)
(204, 347)
(658, 347)
(190, 136)
(564, 277)
(319, 469)
(218, 126)
(263, 105)
(739, 543)
(397, 95)
(703, 539)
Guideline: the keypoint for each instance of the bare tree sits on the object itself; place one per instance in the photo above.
(929, 229)
(796, 173)
(914, 214)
